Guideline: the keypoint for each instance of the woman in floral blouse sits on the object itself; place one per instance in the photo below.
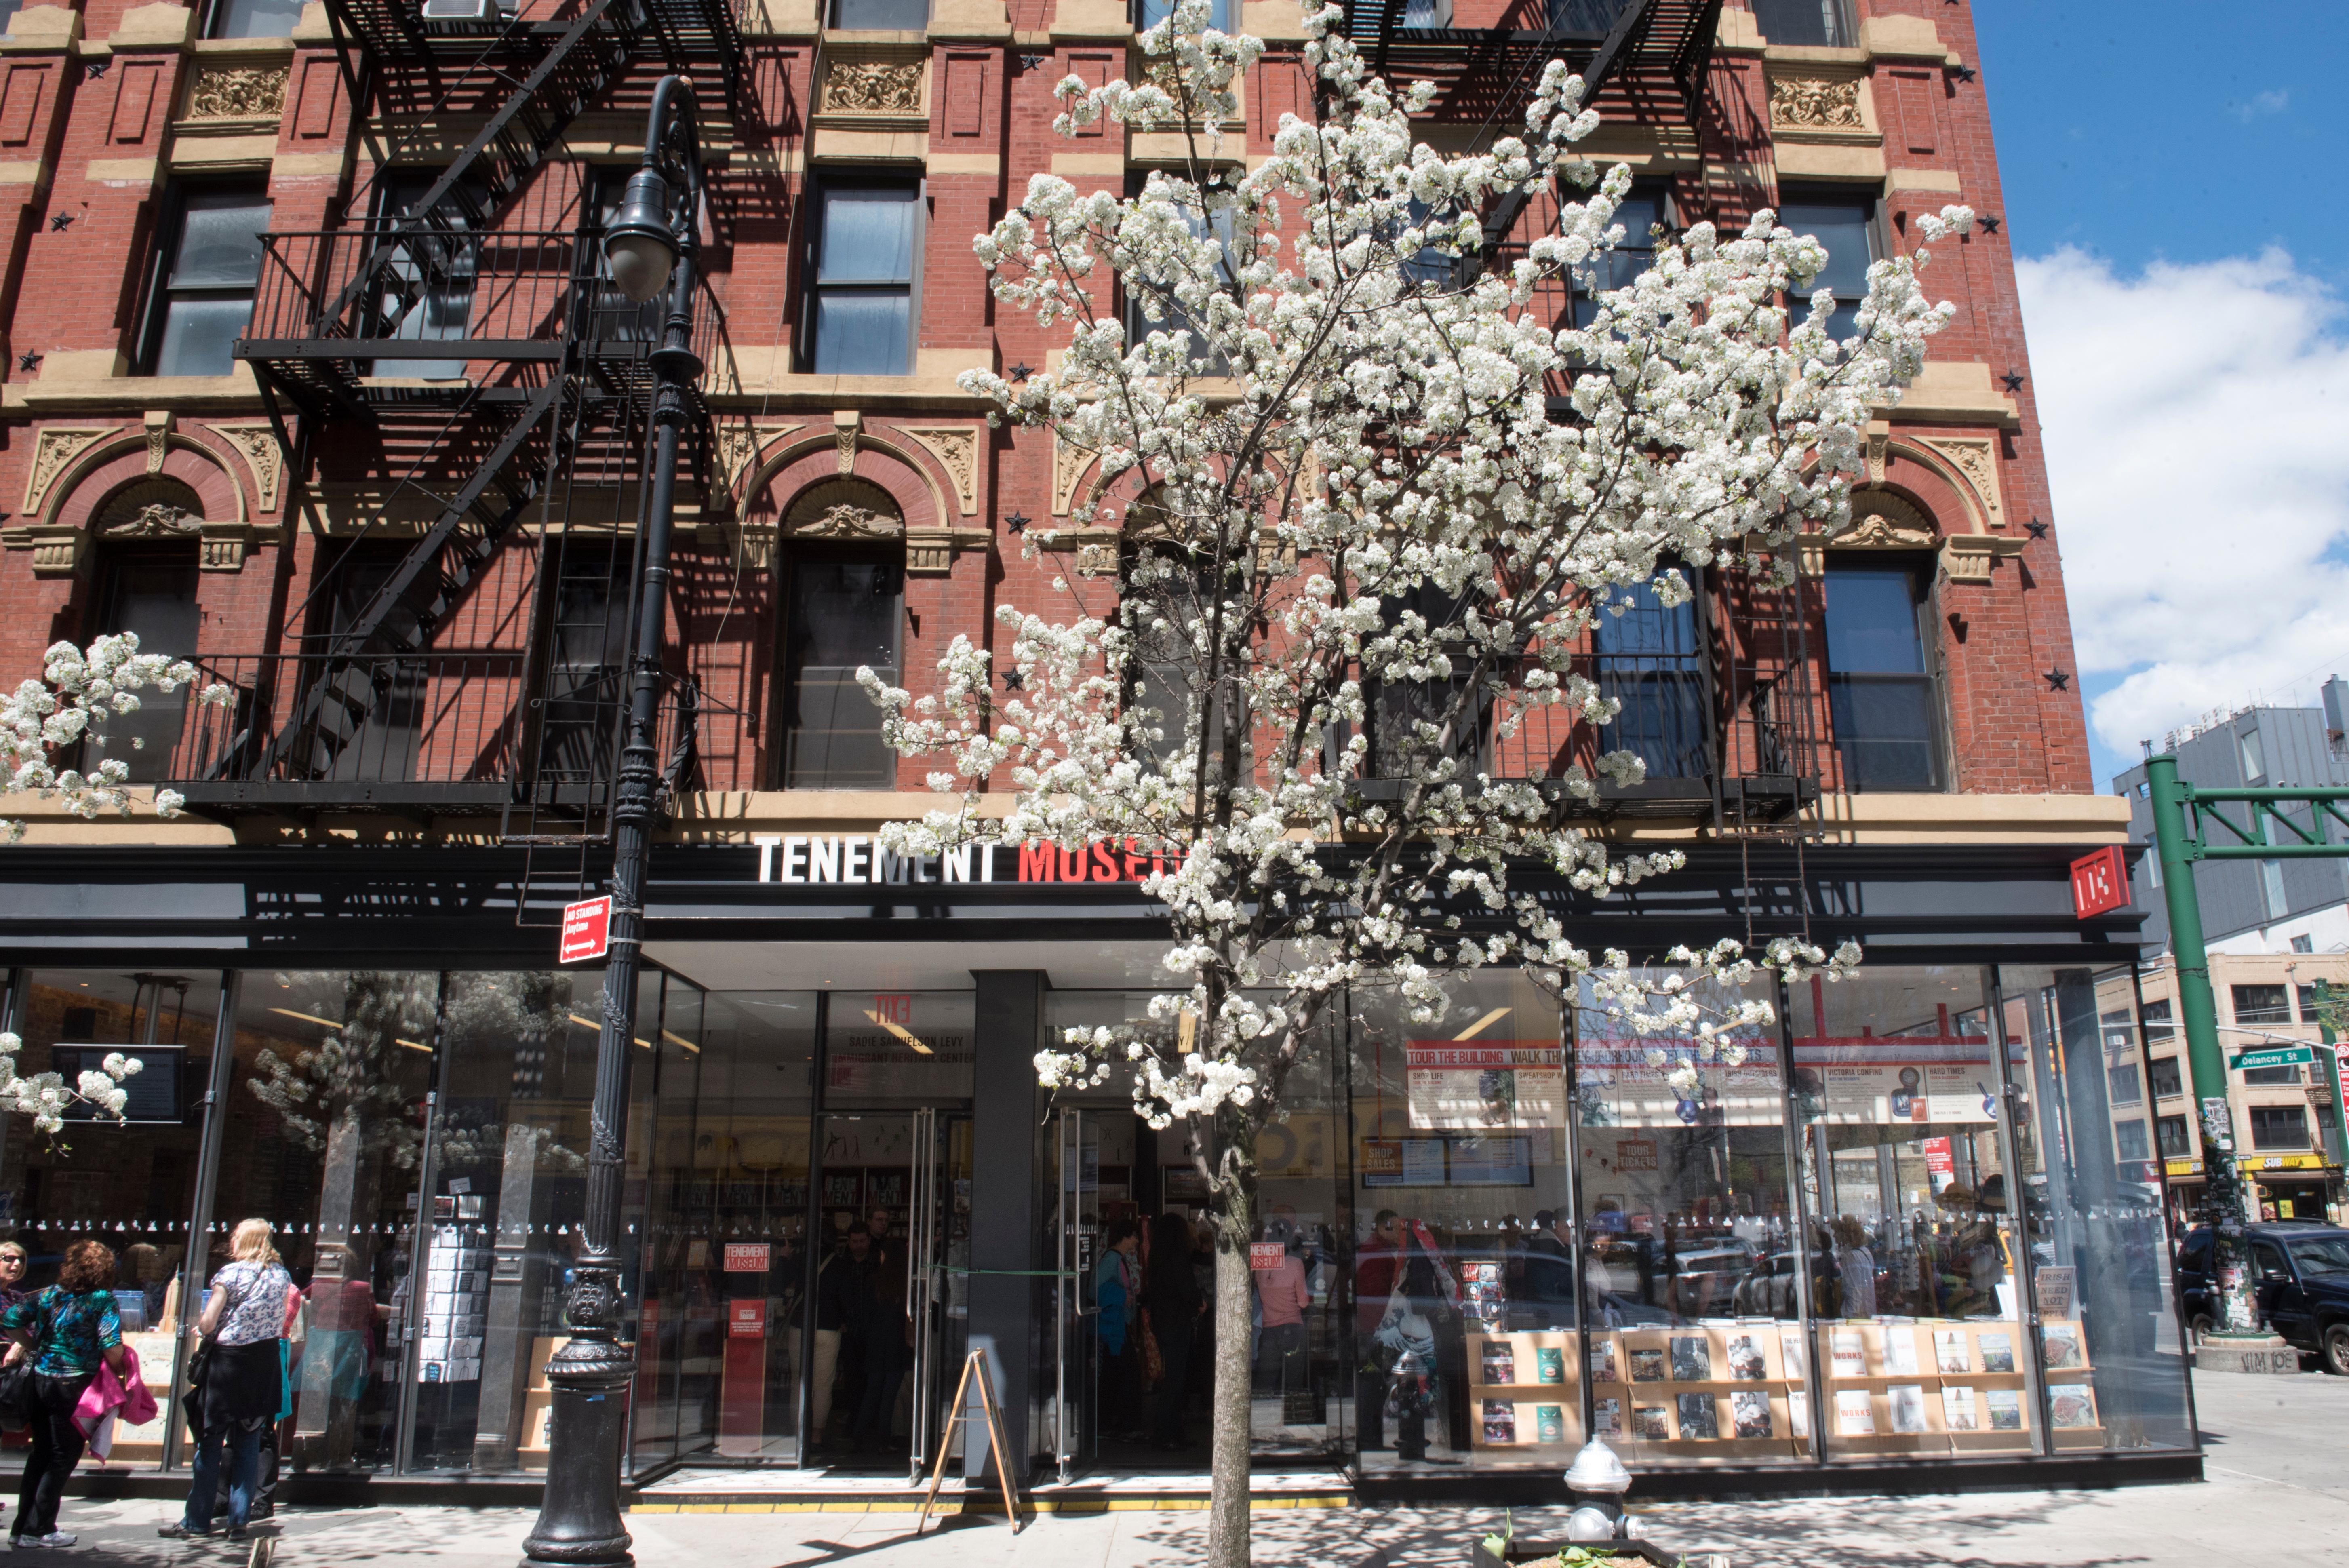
(244, 1387)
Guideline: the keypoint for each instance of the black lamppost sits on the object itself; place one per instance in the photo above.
(649, 247)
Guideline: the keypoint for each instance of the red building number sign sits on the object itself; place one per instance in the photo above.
(2099, 882)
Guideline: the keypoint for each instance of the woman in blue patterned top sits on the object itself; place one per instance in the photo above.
(69, 1327)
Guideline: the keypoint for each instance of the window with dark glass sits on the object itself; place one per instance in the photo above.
(425, 292)
(1846, 225)
(861, 310)
(368, 717)
(1396, 710)
(1649, 659)
(2306, 997)
(151, 590)
(1164, 681)
(2158, 1024)
(2128, 1141)
(2278, 1127)
(2260, 1004)
(587, 663)
(1814, 23)
(1879, 687)
(2166, 1084)
(1146, 292)
(842, 610)
(2271, 1075)
(2174, 1144)
(2123, 1084)
(1644, 210)
(252, 18)
(212, 261)
(881, 16)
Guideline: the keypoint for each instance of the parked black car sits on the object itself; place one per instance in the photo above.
(2300, 1275)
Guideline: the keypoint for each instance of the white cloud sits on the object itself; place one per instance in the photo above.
(2196, 422)
(2275, 100)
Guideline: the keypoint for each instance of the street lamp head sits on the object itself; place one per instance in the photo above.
(639, 244)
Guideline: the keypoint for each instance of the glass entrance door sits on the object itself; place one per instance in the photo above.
(1073, 1218)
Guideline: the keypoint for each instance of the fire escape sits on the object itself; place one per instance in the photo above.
(435, 369)
(1723, 703)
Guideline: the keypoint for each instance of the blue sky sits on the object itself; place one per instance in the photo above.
(2175, 186)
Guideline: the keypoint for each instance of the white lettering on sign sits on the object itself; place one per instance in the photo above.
(861, 859)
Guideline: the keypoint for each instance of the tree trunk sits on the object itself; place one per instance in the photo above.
(1227, 1514)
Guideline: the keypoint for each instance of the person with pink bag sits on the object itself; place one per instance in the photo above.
(111, 1395)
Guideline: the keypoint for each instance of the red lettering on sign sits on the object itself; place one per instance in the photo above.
(2099, 882)
(1104, 862)
(1075, 866)
(748, 1257)
(1266, 1255)
(893, 1009)
(1036, 863)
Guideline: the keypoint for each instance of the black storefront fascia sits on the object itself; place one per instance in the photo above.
(472, 907)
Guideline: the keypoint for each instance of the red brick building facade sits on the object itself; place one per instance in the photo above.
(119, 124)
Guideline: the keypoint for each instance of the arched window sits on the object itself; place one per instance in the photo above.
(148, 532)
(843, 598)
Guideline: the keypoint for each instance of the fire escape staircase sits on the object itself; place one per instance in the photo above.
(480, 363)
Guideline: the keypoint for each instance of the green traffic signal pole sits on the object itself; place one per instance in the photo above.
(2330, 1061)
(2185, 817)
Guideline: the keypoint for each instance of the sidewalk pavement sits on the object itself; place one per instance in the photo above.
(2276, 1486)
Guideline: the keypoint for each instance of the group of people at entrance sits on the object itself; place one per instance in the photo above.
(1151, 1325)
(864, 1340)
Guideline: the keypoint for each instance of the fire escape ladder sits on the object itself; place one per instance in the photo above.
(537, 107)
(451, 557)
(696, 33)
(1623, 39)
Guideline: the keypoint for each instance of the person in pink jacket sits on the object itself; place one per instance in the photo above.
(111, 1396)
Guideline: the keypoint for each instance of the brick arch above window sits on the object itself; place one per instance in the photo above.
(66, 495)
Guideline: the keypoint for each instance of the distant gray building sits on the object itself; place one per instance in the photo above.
(2256, 905)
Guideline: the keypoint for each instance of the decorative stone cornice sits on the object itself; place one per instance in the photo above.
(224, 94)
(53, 450)
(256, 444)
(1816, 103)
(58, 548)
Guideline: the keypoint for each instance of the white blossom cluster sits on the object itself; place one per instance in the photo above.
(1346, 483)
(47, 1097)
(71, 702)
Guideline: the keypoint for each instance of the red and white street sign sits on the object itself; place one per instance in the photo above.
(2099, 882)
(586, 930)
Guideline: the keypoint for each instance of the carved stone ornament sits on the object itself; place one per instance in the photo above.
(1976, 458)
(225, 547)
(1879, 521)
(930, 552)
(1069, 466)
(1813, 103)
(58, 548)
(238, 92)
(873, 87)
(54, 452)
(844, 432)
(159, 439)
(847, 522)
(956, 449)
(257, 444)
(157, 520)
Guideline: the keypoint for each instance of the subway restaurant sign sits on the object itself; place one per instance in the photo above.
(2274, 1056)
(857, 858)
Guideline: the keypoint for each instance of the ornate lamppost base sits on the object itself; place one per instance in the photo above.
(579, 1523)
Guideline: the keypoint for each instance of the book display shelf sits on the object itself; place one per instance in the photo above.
(1736, 1391)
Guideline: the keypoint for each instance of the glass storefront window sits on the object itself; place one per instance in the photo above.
(1460, 1237)
(128, 1185)
(1921, 1342)
(2102, 1297)
(323, 1136)
(1693, 1268)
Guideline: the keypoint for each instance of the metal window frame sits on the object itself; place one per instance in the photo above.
(881, 177)
(163, 250)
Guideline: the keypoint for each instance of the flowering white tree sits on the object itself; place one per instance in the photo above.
(1353, 552)
(69, 705)
(48, 1098)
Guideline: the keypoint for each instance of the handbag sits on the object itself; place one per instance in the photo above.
(16, 1398)
(1154, 1366)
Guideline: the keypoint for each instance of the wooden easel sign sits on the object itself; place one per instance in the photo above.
(975, 1366)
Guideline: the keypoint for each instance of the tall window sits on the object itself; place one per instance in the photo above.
(2166, 1084)
(1879, 687)
(204, 292)
(252, 18)
(861, 310)
(2128, 1141)
(2174, 1144)
(151, 590)
(1396, 709)
(844, 608)
(881, 16)
(587, 674)
(1817, 22)
(1648, 660)
(1645, 208)
(1846, 225)
(2158, 1024)
(1157, 291)
(425, 292)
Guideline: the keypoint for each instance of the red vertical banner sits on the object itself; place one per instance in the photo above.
(743, 1388)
